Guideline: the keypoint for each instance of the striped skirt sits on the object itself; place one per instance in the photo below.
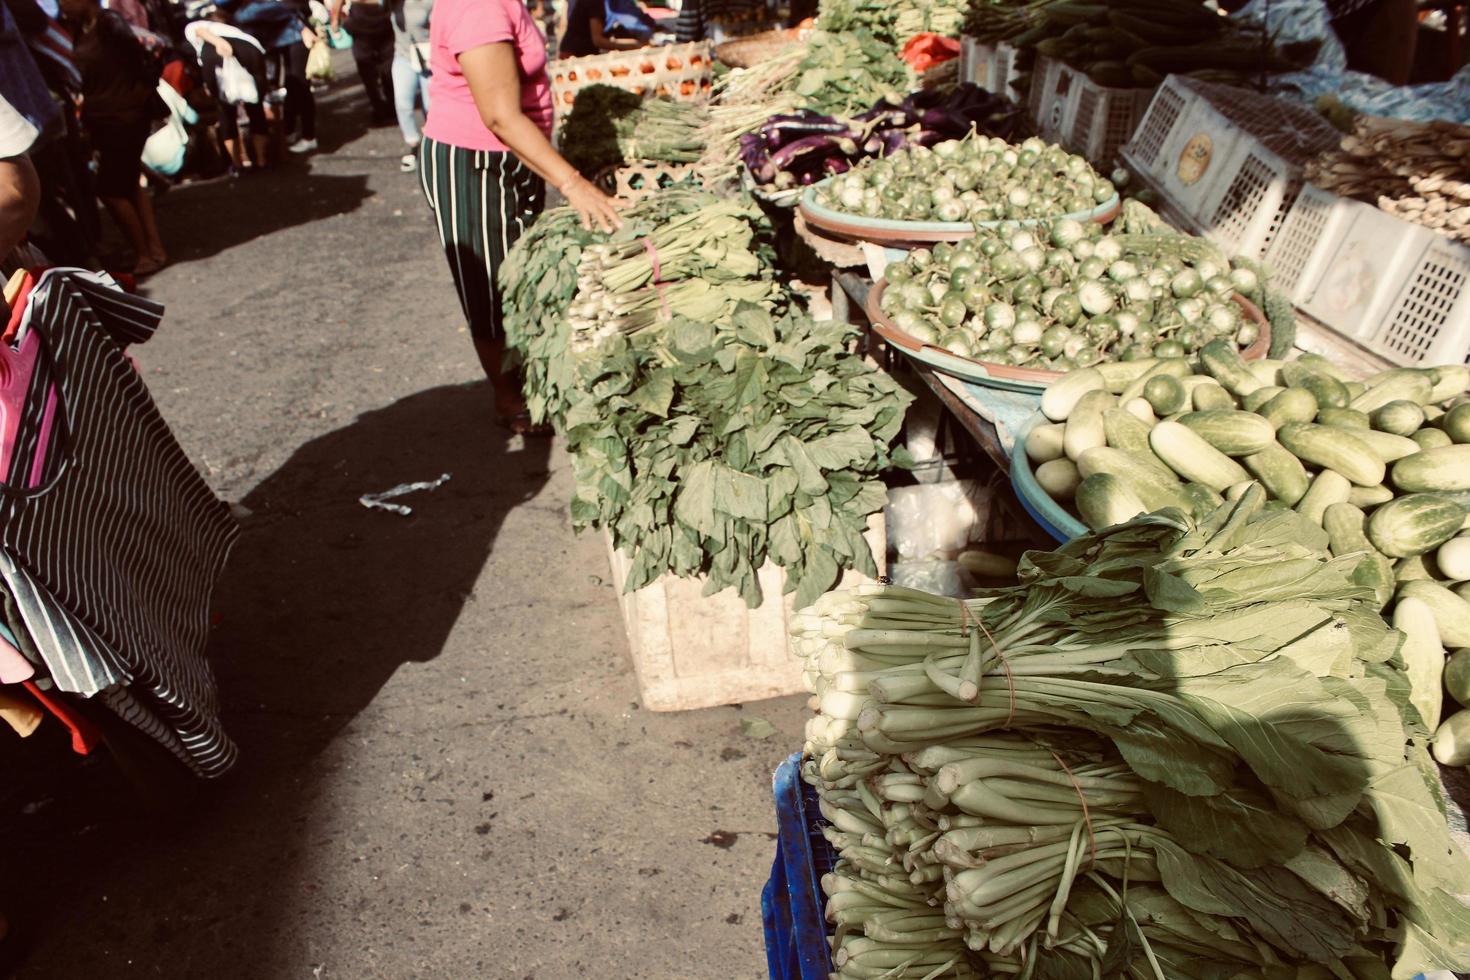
(483, 201)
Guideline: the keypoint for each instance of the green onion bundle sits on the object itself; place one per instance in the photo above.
(1179, 749)
(609, 127)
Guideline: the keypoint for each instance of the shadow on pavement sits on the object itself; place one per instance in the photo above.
(323, 601)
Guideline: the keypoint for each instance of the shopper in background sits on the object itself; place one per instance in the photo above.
(119, 104)
(410, 71)
(216, 43)
(281, 28)
(371, 27)
(596, 26)
(485, 159)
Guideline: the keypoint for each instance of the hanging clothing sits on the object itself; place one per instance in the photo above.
(112, 559)
(84, 735)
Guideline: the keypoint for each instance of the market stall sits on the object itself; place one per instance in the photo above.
(1204, 336)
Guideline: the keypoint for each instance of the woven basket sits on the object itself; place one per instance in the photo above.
(682, 72)
(746, 52)
(633, 182)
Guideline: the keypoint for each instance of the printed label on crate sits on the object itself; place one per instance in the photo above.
(1194, 161)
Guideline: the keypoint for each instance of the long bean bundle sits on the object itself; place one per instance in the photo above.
(1179, 749)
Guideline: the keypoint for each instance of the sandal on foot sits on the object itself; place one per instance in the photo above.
(520, 424)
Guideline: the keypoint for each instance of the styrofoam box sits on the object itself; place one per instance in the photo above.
(690, 651)
(1309, 236)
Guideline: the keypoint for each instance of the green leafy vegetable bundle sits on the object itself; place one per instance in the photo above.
(893, 23)
(842, 74)
(544, 271)
(712, 448)
(608, 127)
(1179, 749)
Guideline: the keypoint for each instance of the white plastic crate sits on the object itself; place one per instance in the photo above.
(1366, 271)
(1429, 320)
(1300, 251)
(975, 61)
(1226, 160)
(689, 651)
(1083, 116)
(1003, 70)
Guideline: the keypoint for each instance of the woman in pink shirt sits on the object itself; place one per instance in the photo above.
(486, 158)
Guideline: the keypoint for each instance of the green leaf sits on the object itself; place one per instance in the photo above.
(840, 450)
(818, 576)
(1237, 826)
(739, 494)
(695, 503)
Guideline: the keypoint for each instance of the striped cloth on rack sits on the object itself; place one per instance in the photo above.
(112, 555)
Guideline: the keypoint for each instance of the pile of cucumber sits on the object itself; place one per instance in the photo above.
(978, 178)
(1068, 295)
(1383, 465)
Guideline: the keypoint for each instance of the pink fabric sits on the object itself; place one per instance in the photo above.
(16, 367)
(456, 27)
(14, 667)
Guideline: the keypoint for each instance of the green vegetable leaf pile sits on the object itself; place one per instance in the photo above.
(609, 127)
(893, 23)
(544, 274)
(1178, 749)
(845, 73)
(712, 448)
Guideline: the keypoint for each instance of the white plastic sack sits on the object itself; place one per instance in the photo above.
(937, 520)
(165, 150)
(236, 85)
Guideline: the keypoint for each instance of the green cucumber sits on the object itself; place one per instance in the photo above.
(1058, 400)
(1290, 405)
(1281, 473)
(1453, 559)
(1344, 526)
(1211, 397)
(1044, 442)
(1150, 481)
(1333, 448)
(1430, 438)
(1223, 363)
(1343, 418)
(1328, 487)
(1414, 524)
(1456, 423)
(1104, 500)
(1369, 497)
(1124, 430)
(1447, 382)
(1409, 384)
(1431, 470)
(1233, 433)
(1257, 399)
(1118, 375)
(1457, 676)
(1202, 499)
(1451, 613)
(1385, 445)
(1401, 417)
(1451, 745)
(1165, 394)
(1189, 455)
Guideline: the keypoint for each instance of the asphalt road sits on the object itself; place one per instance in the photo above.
(446, 772)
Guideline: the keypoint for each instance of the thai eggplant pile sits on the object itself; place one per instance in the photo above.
(803, 147)
(1068, 294)
(1181, 748)
(609, 127)
(1382, 466)
(680, 253)
(712, 448)
(976, 179)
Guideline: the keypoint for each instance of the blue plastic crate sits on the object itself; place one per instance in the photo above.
(792, 903)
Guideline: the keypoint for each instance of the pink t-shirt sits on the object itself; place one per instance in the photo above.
(456, 27)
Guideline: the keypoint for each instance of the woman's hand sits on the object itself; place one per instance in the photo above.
(222, 47)
(594, 206)
(308, 37)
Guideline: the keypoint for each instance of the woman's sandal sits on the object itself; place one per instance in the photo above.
(520, 424)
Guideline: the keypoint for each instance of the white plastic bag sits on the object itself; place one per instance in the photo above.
(236, 85)
(165, 150)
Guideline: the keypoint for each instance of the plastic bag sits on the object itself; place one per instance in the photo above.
(924, 51)
(236, 85)
(319, 63)
(167, 147)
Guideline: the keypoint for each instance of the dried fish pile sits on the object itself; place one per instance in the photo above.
(1417, 171)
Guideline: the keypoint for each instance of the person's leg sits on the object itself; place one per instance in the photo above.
(300, 102)
(20, 194)
(125, 213)
(260, 134)
(143, 204)
(405, 92)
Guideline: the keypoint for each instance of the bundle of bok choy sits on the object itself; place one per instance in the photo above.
(1178, 749)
